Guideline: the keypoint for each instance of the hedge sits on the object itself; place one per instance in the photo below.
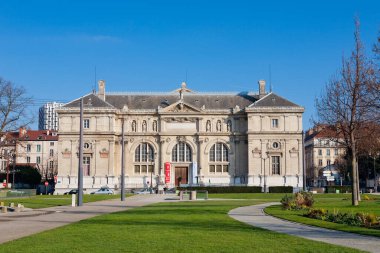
(224, 189)
(342, 189)
(280, 189)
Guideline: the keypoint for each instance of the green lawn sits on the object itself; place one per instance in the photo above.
(201, 226)
(342, 204)
(43, 201)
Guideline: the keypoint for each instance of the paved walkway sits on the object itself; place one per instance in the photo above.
(17, 225)
(255, 216)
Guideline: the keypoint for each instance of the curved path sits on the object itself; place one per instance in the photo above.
(255, 216)
(17, 225)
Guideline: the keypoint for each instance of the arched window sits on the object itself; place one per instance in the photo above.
(144, 158)
(181, 152)
(219, 158)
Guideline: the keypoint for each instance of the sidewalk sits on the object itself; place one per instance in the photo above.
(255, 216)
(17, 225)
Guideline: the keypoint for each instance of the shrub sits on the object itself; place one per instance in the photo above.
(342, 189)
(224, 189)
(358, 219)
(281, 189)
(297, 201)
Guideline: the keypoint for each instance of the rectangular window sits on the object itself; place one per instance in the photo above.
(38, 148)
(51, 164)
(328, 162)
(328, 152)
(38, 159)
(86, 123)
(143, 169)
(28, 148)
(319, 151)
(336, 152)
(28, 159)
(86, 165)
(51, 153)
(275, 165)
(320, 162)
(274, 123)
(150, 168)
(137, 169)
(225, 168)
(218, 168)
(51, 143)
(212, 168)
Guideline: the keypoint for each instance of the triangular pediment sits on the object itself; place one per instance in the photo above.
(181, 107)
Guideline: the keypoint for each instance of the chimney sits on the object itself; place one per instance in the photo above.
(22, 132)
(102, 89)
(262, 92)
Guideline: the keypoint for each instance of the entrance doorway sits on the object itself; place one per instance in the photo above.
(181, 175)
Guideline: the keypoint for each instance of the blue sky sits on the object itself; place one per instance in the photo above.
(52, 47)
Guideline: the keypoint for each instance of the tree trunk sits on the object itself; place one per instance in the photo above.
(355, 190)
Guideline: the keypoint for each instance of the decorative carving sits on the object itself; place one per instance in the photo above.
(154, 126)
(144, 126)
(218, 126)
(104, 153)
(134, 124)
(180, 119)
(125, 108)
(181, 138)
(206, 140)
(208, 126)
(66, 153)
(131, 140)
(229, 126)
(168, 139)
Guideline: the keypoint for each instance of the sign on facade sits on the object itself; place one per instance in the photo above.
(167, 172)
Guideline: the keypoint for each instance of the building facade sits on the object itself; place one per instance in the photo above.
(37, 148)
(48, 117)
(182, 137)
(322, 150)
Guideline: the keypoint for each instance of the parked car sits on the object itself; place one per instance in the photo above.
(144, 191)
(73, 191)
(171, 190)
(103, 191)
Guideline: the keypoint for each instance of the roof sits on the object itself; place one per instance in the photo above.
(321, 132)
(154, 100)
(90, 100)
(32, 135)
(273, 100)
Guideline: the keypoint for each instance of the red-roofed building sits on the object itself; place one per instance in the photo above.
(321, 150)
(35, 147)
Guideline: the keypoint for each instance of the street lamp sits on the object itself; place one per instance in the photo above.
(265, 178)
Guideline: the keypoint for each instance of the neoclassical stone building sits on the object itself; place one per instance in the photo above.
(182, 137)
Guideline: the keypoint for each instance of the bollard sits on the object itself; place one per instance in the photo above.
(17, 209)
(193, 195)
(1, 203)
(12, 204)
(73, 198)
(4, 209)
(181, 195)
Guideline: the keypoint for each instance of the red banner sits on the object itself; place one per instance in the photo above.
(167, 172)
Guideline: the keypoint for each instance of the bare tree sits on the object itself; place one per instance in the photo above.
(14, 103)
(350, 102)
